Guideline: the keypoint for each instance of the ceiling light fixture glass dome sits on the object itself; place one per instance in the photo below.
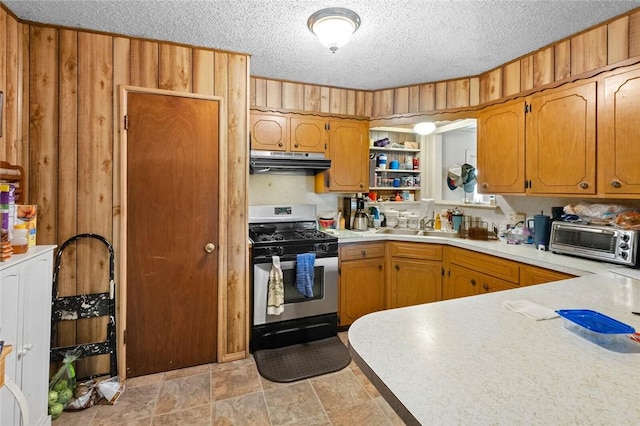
(424, 128)
(334, 26)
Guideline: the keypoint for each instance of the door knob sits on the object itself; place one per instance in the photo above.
(584, 185)
(209, 247)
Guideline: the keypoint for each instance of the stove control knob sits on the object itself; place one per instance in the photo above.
(322, 248)
(624, 246)
(623, 255)
(209, 247)
(625, 237)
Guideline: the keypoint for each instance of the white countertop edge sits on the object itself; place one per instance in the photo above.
(31, 253)
(523, 253)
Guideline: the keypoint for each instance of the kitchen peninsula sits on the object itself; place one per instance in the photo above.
(472, 361)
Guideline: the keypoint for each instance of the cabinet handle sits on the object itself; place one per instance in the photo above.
(397, 267)
(584, 185)
(616, 184)
(473, 282)
(485, 186)
(485, 286)
(363, 253)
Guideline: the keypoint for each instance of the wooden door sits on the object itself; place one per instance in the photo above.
(361, 289)
(308, 134)
(349, 153)
(172, 214)
(414, 282)
(269, 132)
(561, 141)
(620, 133)
(501, 149)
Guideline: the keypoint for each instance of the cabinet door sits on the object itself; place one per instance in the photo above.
(414, 282)
(561, 141)
(461, 282)
(500, 148)
(11, 313)
(349, 154)
(361, 289)
(37, 335)
(308, 134)
(269, 132)
(620, 133)
(489, 284)
(530, 275)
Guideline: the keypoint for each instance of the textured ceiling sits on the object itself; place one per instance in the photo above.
(399, 43)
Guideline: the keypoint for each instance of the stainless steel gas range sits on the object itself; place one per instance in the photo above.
(286, 232)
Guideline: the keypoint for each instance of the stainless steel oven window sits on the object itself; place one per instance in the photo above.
(297, 306)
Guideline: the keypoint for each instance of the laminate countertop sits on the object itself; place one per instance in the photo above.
(472, 361)
(524, 253)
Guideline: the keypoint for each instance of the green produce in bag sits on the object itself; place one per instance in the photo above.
(62, 385)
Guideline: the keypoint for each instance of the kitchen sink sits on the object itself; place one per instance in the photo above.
(399, 231)
(418, 232)
(438, 233)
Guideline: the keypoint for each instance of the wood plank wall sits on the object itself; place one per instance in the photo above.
(602, 45)
(61, 123)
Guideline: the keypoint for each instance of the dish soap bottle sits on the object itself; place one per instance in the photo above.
(437, 223)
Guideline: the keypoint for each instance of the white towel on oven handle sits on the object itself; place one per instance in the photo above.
(275, 292)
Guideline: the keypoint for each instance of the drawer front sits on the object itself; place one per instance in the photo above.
(420, 251)
(490, 265)
(530, 275)
(362, 251)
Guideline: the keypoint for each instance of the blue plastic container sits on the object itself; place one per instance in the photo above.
(600, 329)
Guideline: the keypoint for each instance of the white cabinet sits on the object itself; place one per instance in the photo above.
(25, 323)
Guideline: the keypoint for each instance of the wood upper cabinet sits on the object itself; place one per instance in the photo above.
(308, 134)
(561, 141)
(545, 145)
(362, 281)
(349, 154)
(619, 133)
(500, 148)
(287, 132)
(414, 274)
(269, 132)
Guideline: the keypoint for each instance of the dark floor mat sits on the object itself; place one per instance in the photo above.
(301, 361)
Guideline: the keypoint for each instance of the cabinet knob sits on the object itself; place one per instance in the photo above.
(380, 267)
(397, 267)
(485, 185)
(209, 247)
(296, 145)
(616, 184)
(485, 286)
(280, 144)
(584, 185)
(361, 185)
(363, 253)
(473, 282)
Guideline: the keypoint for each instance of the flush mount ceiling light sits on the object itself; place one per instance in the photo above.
(424, 128)
(334, 26)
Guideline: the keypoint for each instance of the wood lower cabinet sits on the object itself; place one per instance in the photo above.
(462, 282)
(619, 133)
(362, 281)
(349, 154)
(414, 274)
(530, 275)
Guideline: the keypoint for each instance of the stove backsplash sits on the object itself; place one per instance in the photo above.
(268, 189)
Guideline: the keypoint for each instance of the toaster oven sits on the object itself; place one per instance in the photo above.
(604, 243)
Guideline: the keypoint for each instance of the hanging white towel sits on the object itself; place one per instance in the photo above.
(275, 293)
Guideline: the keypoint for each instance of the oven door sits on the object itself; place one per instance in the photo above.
(325, 291)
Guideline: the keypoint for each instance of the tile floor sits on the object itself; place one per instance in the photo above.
(233, 393)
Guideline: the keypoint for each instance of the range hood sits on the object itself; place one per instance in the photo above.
(298, 163)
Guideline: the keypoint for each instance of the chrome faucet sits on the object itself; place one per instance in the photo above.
(426, 223)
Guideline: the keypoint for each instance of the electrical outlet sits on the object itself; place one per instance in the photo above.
(513, 217)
